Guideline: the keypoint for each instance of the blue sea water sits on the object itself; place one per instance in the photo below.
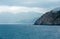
(24, 31)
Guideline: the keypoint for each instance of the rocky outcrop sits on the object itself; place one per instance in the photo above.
(49, 18)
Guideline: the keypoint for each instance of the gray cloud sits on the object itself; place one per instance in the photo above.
(31, 3)
(19, 9)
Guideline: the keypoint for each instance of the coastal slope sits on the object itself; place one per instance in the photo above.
(49, 18)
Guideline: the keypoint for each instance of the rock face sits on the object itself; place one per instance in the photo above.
(50, 18)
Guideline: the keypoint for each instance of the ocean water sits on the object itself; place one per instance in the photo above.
(24, 31)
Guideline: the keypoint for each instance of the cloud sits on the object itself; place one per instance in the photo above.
(44, 1)
(53, 0)
(31, 3)
(19, 9)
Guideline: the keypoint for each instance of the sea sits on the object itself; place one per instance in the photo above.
(28, 31)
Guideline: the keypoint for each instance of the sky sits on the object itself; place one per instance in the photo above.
(18, 6)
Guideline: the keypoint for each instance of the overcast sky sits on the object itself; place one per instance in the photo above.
(18, 6)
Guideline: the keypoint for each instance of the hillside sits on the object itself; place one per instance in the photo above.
(49, 18)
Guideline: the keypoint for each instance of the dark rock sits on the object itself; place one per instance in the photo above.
(49, 18)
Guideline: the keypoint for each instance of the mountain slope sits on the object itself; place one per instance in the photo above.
(52, 17)
(56, 9)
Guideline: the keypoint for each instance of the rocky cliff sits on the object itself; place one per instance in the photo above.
(49, 18)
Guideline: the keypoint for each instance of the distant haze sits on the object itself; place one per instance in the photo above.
(25, 11)
(30, 17)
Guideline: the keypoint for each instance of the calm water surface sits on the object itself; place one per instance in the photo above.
(23, 31)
